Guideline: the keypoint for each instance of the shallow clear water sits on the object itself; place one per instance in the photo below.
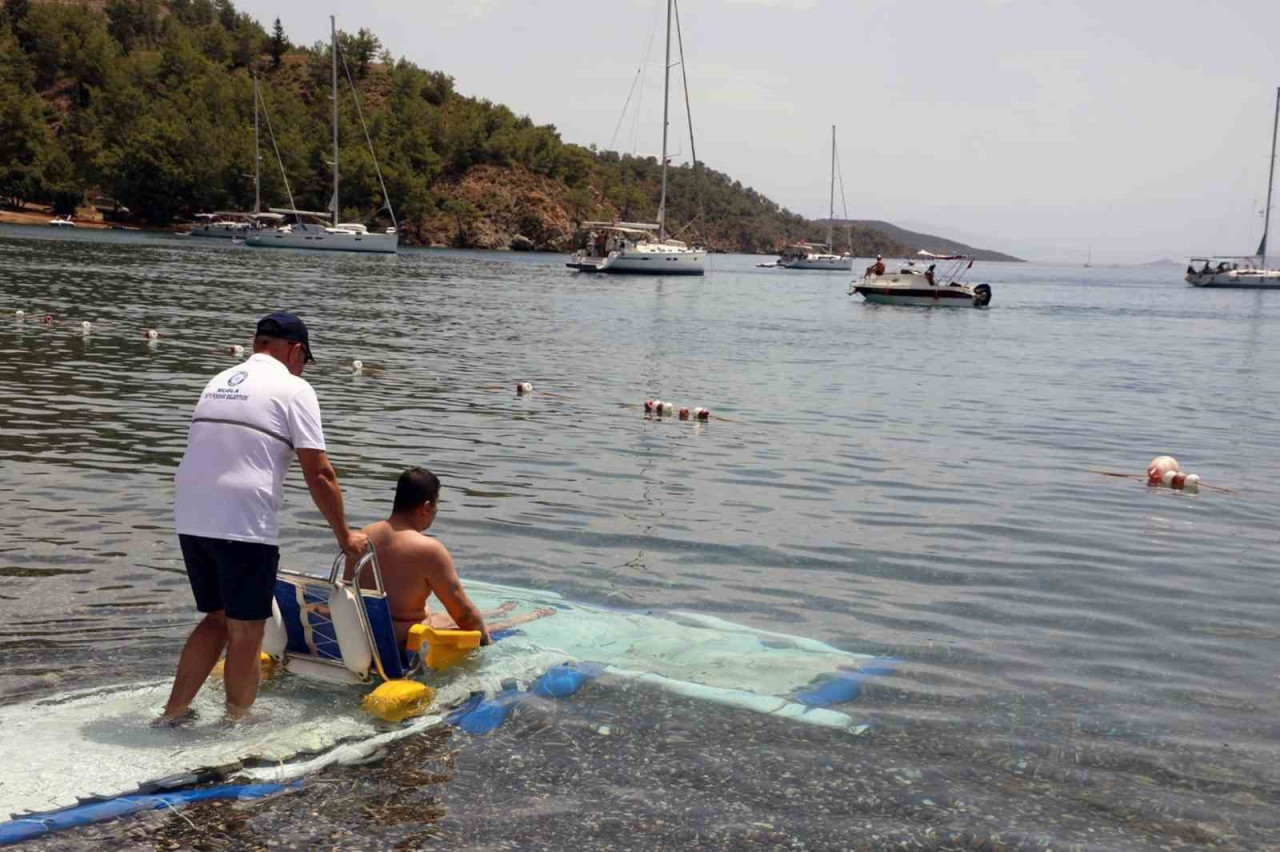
(1085, 660)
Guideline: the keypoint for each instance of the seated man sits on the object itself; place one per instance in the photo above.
(876, 268)
(415, 566)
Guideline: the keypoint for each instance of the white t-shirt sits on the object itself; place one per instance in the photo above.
(244, 432)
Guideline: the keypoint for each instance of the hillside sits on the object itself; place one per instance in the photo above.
(937, 245)
(151, 103)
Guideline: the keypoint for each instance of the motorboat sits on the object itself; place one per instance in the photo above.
(61, 222)
(316, 234)
(1242, 273)
(637, 248)
(805, 255)
(914, 283)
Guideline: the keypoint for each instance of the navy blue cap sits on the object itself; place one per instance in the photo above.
(286, 326)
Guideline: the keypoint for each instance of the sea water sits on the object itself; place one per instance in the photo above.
(1082, 660)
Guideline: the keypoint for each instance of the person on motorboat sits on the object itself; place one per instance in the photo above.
(415, 566)
(928, 274)
(249, 424)
(1207, 270)
(876, 268)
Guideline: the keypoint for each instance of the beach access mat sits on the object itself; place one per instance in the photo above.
(97, 742)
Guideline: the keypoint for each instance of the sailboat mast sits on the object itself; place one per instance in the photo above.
(257, 158)
(831, 214)
(666, 98)
(333, 51)
(1271, 176)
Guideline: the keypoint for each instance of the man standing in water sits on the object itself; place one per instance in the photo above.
(249, 423)
(415, 566)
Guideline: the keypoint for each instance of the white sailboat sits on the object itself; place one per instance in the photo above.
(819, 255)
(335, 235)
(233, 224)
(1240, 272)
(637, 247)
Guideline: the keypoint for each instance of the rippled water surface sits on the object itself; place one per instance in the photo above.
(1085, 661)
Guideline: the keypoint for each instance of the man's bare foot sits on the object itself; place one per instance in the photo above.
(175, 720)
(235, 713)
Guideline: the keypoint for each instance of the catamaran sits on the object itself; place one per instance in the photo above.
(236, 224)
(640, 247)
(1240, 272)
(317, 235)
(819, 255)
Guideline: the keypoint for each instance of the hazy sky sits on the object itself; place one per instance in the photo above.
(1029, 126)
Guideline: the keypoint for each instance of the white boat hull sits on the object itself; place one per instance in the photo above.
(818, 261)
(221, 231)
(637, 262)
(1238, 279)
(315, 238)
(914, 290)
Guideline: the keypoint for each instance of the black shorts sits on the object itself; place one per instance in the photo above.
(236, 576)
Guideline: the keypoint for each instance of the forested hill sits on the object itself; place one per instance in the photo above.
(928, 242)
(150, 103)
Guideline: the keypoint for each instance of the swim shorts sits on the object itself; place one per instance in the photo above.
(236, 576)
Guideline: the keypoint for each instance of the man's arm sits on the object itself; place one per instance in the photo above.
(322, 481)
(446, 586)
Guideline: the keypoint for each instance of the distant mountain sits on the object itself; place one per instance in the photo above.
(1164, 261)
(928, 242)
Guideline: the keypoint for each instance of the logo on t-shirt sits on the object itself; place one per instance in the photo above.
(237, 378)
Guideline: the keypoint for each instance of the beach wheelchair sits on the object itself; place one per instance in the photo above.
(340, 630)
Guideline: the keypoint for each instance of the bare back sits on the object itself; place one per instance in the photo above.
(415, 566)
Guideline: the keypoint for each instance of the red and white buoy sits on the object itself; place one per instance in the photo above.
(524, 388)
(648, 406)
(684, 413)
(701, 414)
(237, 350)
(47, 319)
(151, 334)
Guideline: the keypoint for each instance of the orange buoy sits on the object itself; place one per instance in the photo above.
(684, 413)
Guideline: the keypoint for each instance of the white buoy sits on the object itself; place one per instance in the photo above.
(524, 388)
(151, 334)
(21, 315)
(84, 328)
(1160, 465)
(1168, 477)
(357, 365)
(237, 350)
(668, 409)
(1192, 483)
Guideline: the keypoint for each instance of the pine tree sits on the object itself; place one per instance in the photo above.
(279, 44)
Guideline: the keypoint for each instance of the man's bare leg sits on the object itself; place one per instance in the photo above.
(199, 655)
(244, 645)
(541, 612)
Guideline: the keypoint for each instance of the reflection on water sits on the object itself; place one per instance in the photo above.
(1078, 652)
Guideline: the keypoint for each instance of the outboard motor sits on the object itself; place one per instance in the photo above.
(981, 295)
